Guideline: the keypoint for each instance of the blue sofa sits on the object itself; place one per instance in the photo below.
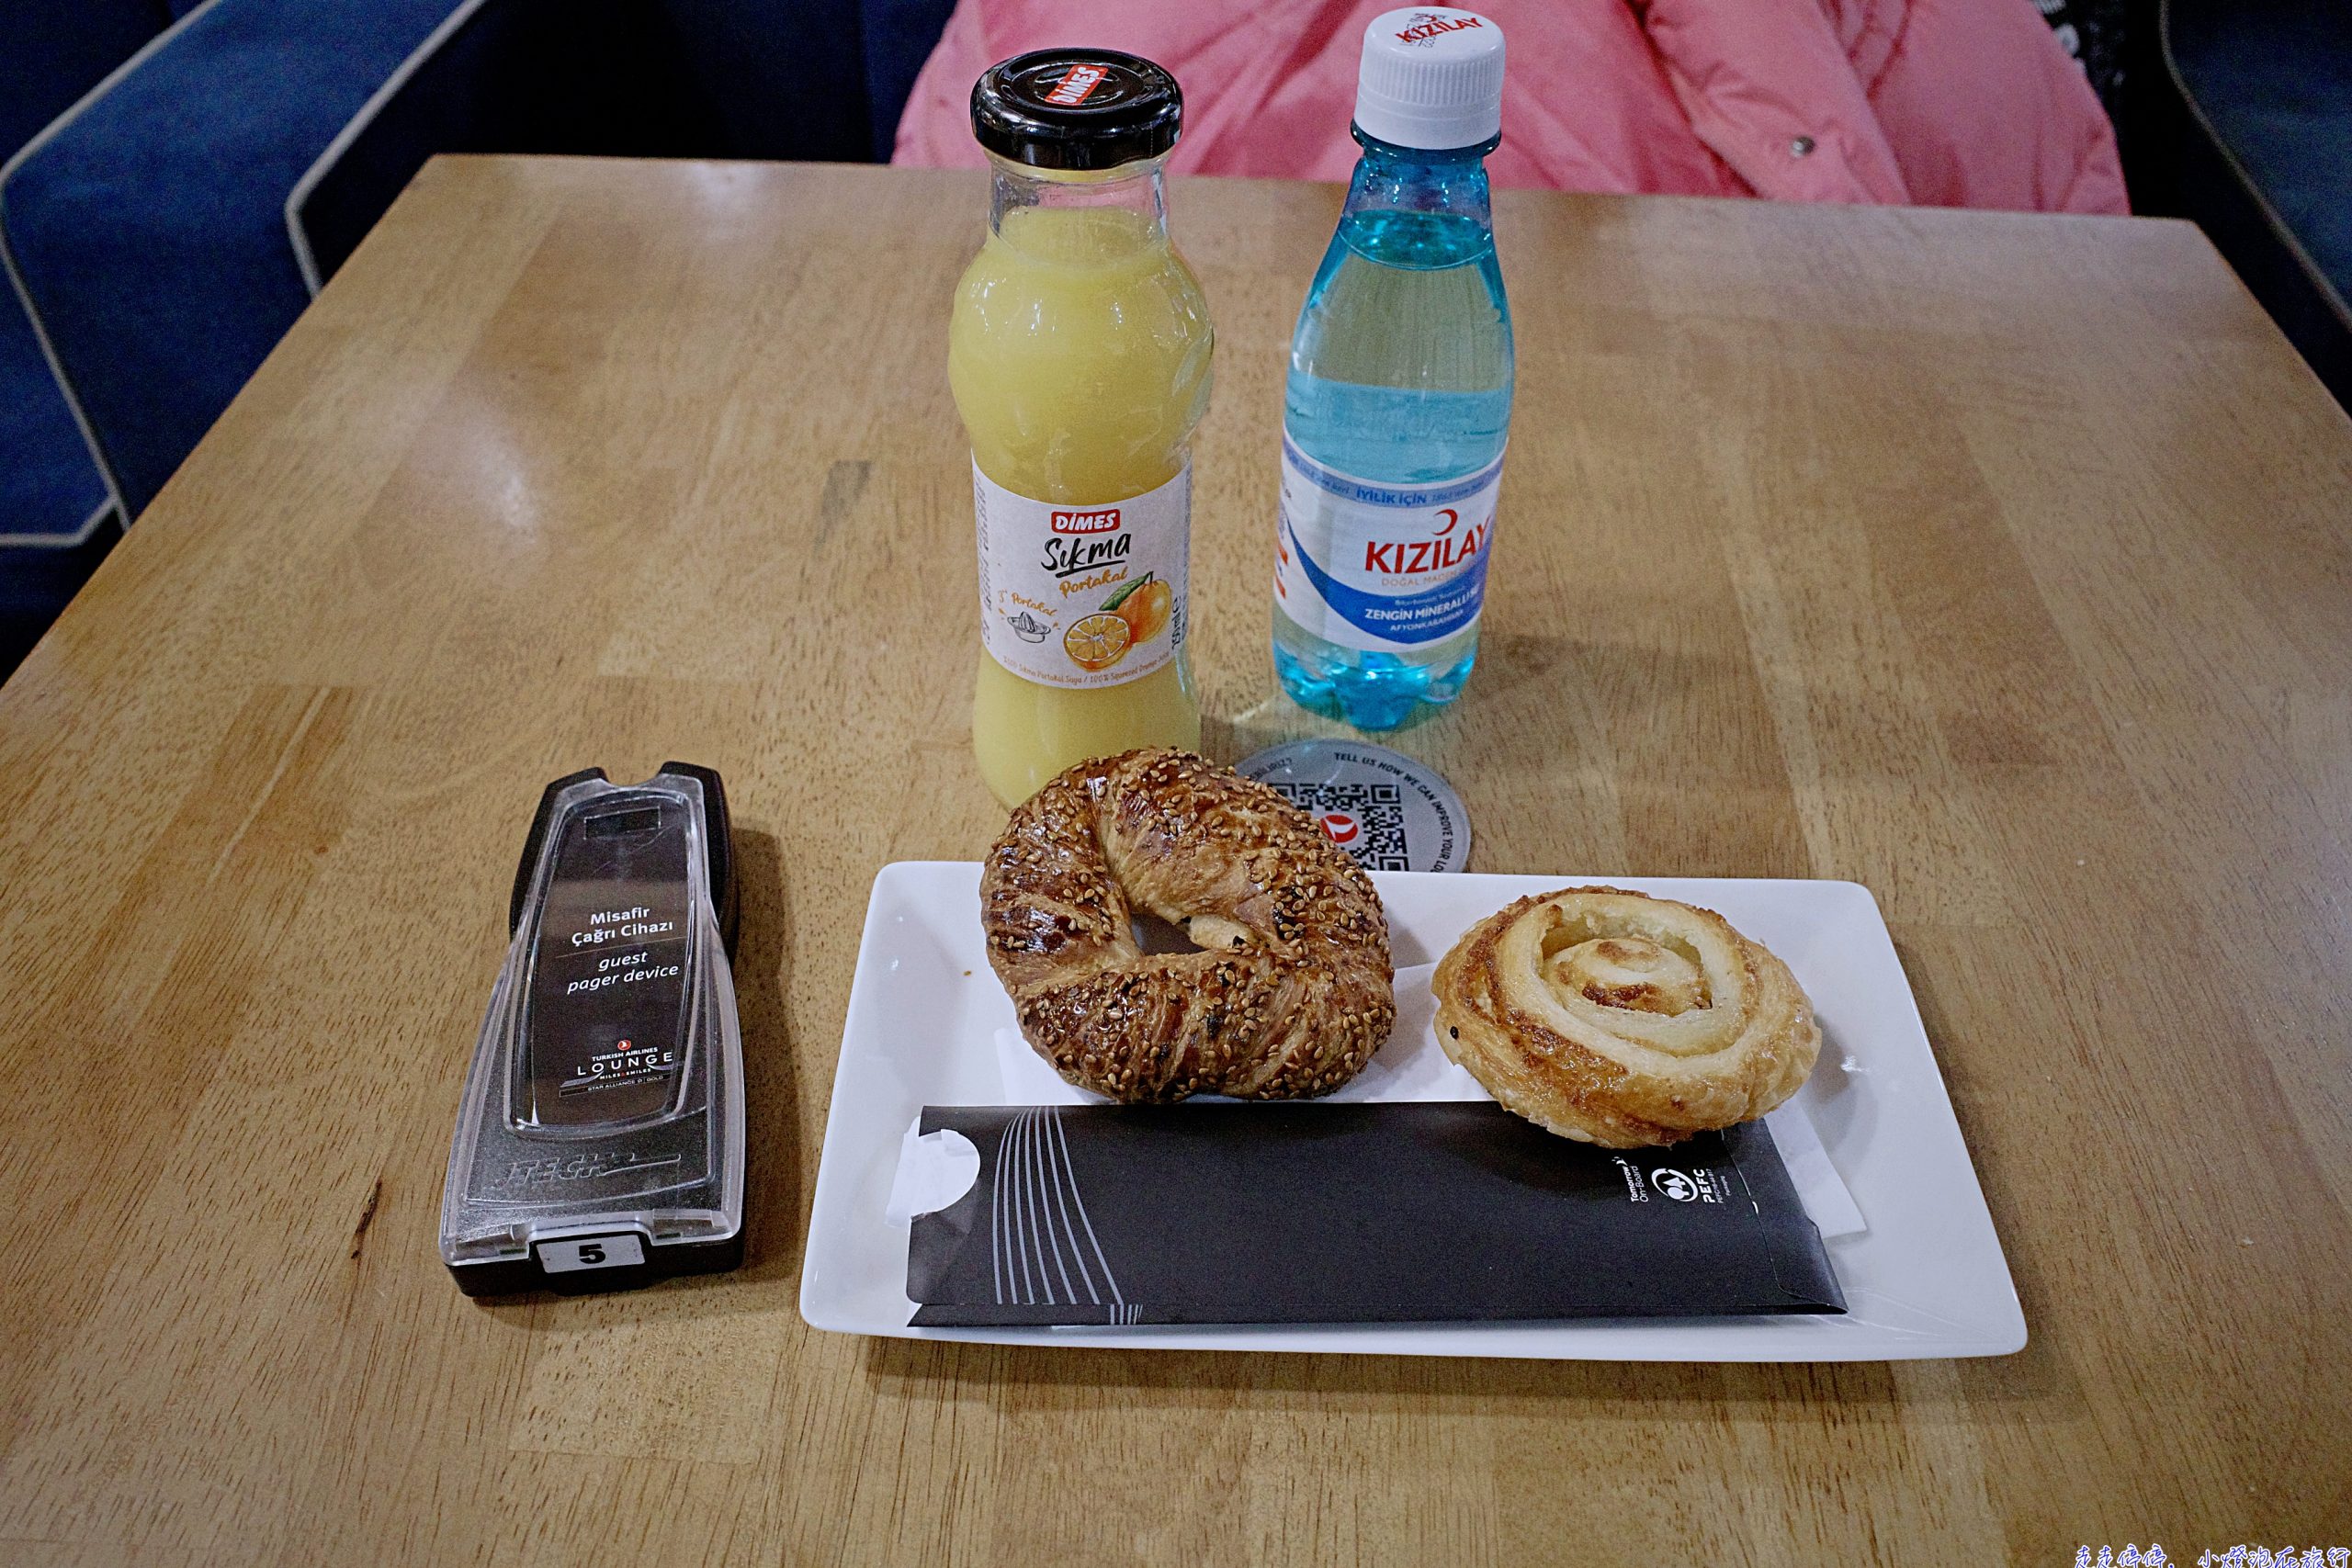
(2262, 157)
(53, 53)
(169, 232)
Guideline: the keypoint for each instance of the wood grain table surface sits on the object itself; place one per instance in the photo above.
(1998, 562)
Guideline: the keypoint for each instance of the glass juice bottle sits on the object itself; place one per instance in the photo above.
(1079, 353)
(1399, 395)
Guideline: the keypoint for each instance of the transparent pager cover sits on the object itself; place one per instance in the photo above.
(603, 1118)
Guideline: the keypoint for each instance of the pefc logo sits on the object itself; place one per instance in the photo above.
(1076, 83)
(1675, 1185)
(1103, 520)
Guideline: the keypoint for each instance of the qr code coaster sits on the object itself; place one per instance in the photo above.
(1366, 819)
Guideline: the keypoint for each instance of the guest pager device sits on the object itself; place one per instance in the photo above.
(600, 1142)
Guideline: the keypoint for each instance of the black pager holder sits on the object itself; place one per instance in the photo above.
(599, 1144)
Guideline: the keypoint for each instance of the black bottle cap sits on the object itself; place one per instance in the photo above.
(1077, 108)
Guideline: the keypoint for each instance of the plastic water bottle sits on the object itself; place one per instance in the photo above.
(1399, 394)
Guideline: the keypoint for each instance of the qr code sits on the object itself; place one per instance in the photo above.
(1366, 819)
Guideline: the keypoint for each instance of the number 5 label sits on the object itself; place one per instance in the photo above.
(589, 1252)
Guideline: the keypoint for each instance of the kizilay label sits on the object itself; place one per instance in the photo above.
(1083, 595)
(1390, 567)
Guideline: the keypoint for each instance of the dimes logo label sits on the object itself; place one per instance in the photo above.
(1078, 84)
(1082, 596)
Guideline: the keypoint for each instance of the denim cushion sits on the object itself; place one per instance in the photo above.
(589, 77)
(2274, 79)
(897, 36)
(52, 53)
(152, 232)
(49, 490)
(149, 233)
(37, 584)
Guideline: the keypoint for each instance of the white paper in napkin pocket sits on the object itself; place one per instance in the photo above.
(1827, 1201)
(1413, 1066)
(935, 1170)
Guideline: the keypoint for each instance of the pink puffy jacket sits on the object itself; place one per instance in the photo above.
(1949, 103)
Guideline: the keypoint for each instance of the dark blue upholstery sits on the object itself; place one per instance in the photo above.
(152, 233)
(2275, 81)
(584, 77)
(49, 488)
(52, 53)
(36, 582)
(2271, 85)
(897, 37)
(780, 81)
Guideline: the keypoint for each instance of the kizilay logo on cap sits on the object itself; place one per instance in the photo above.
(1426, 25)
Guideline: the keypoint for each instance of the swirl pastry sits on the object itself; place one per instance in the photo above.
(1290, 993)
(1623, 1019)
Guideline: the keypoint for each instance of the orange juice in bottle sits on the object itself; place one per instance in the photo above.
(1078, 354)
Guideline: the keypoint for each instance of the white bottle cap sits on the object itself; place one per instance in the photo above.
(1431, 77)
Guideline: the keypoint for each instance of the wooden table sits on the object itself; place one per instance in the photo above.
(1998, 562)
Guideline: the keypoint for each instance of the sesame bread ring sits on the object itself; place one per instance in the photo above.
(1290, 993)
(1623, 1019)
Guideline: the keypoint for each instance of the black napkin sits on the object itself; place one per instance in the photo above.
(1439, 1211)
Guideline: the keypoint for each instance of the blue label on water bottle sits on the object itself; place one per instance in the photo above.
(1382, 566)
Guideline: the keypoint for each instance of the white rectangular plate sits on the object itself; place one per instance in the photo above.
(1927, 1279)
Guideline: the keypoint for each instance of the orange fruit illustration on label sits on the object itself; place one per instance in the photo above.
(1145, 608)
(1097, 641)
